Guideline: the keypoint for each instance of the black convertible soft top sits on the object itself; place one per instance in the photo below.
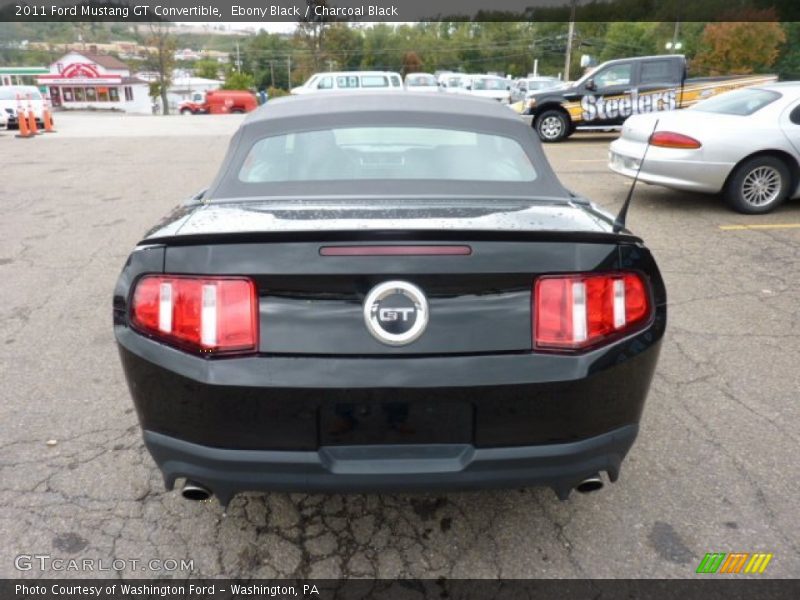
(360, 102)
(335, 110)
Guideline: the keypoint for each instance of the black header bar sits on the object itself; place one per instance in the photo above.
(397, 10)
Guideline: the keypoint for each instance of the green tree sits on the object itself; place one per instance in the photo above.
(788, 63)
(265, 56)
(238, 81)
(309, 37)
(161, 58)
(625, 39)
(207, 68)
(343, 47)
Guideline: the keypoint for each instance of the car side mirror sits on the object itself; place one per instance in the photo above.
(591, 85)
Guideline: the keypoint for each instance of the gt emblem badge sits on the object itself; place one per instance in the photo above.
(396, 312)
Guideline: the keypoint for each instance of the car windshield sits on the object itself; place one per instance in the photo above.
(11, 93)
(488, 84)
(738, 102)
(421, 80)
(398, 153)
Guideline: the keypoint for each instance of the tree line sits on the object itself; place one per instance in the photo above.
(280, 61)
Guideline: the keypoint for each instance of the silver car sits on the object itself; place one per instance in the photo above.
(744, 144)
(524, 89)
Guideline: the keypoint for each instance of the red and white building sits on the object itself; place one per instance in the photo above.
(83, 80)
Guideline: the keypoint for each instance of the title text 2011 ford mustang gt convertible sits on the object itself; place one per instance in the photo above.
(388, 292)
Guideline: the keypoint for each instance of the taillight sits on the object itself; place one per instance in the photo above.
(203, 314)
(670, 139)
(577, 311)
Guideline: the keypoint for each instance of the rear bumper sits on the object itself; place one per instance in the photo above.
(334, 424)
(390, 468)
(679, 169)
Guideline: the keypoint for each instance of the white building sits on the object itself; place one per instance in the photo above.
(83, 80)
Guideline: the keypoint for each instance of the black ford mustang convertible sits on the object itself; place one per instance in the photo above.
(388, 292)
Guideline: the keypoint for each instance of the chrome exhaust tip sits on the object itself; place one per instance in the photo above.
(194, 491)
(590, 484)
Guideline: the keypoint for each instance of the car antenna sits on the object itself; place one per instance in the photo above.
(619, 222)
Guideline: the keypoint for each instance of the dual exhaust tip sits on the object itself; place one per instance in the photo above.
(590, 484)
(195, 491)
(199, 493)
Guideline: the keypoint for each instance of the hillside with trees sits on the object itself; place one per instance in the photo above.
(509, 48)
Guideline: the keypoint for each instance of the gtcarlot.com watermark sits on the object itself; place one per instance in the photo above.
(46, 562)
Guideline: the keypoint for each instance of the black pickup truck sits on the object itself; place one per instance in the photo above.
(617, 89)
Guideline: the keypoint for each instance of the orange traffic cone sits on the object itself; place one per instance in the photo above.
(22, 121)
(32, 118)
(47, 118)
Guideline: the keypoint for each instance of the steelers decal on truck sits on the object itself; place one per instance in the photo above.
(604, 109)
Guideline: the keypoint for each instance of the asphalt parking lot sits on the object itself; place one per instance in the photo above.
(715, 468)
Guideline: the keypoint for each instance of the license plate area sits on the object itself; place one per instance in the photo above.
(395, 422)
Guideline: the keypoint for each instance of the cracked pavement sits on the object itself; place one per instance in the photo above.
(715, 467)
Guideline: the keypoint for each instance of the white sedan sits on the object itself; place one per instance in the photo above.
(487, 86)
(422, 82)
(744, 144)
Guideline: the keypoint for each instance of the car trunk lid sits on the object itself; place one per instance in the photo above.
(315, 268)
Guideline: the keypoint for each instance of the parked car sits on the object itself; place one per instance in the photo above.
(388, 292)
(606, 96)
(351, 81)
(744, 144)
(28, 95)
(451, 82)
(487, 86)
(218, 102)
(421, 82)
(523, 89)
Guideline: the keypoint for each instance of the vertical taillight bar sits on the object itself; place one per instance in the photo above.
(575, 311)
(203, 314)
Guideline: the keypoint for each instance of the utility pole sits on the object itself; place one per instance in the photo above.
(238, 59)
(289, 69)
(271, 74)
(570, 35)
(675, 33)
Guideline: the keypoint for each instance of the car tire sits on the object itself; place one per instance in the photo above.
(186, 111)
(552, 126)
(758, 185)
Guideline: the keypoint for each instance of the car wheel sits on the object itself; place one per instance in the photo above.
(186, 111)
(758, 185)
(552, 126)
